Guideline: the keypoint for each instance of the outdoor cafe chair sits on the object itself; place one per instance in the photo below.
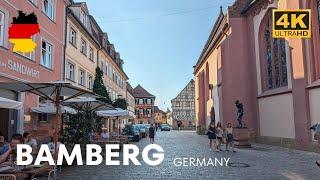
(7, 177)
(50, 175)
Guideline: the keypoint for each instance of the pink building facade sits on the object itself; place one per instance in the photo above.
(277, 80)
(43, 65)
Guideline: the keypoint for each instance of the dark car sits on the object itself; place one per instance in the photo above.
(133, 130)
(165, 127)
(143, 130)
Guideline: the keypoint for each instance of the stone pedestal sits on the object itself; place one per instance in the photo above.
(201, 130)
(241, 137)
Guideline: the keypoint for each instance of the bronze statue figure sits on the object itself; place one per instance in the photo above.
(240, 112)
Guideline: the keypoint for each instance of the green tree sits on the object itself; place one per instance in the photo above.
(99, 87)
(120, 103)
(78, 127)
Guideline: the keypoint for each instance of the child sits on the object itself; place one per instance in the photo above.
(229, 137)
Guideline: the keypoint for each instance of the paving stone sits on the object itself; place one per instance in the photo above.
(265, 162)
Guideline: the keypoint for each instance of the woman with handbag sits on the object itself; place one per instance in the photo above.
(212, 136)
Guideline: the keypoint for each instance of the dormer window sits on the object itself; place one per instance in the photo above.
(83, 17)
(111, 52)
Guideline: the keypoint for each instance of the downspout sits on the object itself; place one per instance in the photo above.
(63, 78)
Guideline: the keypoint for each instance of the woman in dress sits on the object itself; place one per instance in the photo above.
(212, 136)
(229, 137)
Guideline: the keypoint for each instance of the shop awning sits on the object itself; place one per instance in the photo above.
(51, 109)
(10, 104)
(118, 112)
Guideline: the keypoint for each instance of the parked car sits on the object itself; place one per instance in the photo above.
(132, 130)
(165, 127)
(143, 130)
(147, 126)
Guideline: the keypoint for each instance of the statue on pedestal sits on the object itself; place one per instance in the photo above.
(239, 113)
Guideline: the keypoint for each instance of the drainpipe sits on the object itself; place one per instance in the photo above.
(63, 78)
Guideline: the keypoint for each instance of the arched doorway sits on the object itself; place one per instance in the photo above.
(212, 115)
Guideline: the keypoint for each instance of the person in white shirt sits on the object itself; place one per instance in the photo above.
(104, 135)
(51, 145)
(28, 139)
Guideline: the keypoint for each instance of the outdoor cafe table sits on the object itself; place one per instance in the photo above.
(103, 142)
(28, 172)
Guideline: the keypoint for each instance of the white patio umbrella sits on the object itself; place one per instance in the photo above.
(51, 109)
(117, 113)
(10, 104)
(52, 91)
(90, 102)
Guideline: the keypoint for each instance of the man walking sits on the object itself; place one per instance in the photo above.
(151, 133)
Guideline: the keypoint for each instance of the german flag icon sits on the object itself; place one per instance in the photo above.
(21, 31)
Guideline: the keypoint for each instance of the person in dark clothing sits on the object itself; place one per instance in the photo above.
(151, 133)
(212, 136)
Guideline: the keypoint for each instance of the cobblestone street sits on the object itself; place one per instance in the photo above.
(264, 162)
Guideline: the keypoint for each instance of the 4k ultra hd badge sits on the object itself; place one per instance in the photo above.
(291, 23)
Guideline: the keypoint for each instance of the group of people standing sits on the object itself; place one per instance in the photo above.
(217, 135)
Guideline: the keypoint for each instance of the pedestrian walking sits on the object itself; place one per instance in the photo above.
(316, 129)
(229, 137)
(212, 136)
(151, 133)
(219, 133)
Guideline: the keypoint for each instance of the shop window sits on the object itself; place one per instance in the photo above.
(42, 117)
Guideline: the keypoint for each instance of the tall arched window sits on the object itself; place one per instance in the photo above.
(274, 60)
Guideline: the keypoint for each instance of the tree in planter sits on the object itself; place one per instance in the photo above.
(79, 126)
(120, 103)
(99, 87)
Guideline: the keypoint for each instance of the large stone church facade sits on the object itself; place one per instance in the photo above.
(277, 80)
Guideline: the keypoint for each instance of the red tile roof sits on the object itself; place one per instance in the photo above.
(139, 91)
